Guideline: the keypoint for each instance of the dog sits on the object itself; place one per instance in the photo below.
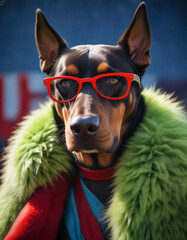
(96, 127)
(104, 159)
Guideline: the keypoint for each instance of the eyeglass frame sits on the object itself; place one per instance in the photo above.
(130, 77)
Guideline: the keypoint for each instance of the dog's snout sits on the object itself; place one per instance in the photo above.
(86, 126)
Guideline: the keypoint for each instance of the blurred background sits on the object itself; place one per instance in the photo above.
(83, 22)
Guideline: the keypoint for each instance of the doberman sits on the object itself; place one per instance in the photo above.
(97, 93)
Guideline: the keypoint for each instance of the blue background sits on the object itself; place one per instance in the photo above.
(94, 21)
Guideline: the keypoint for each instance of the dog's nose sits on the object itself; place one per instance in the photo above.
(86, 126)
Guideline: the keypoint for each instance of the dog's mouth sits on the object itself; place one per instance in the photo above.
(95, 148)
(86, 148)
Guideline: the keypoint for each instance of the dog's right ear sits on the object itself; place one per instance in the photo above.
(48, 41)
(137, 37)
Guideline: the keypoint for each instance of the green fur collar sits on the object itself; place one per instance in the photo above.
(150, 193)
(33, 159)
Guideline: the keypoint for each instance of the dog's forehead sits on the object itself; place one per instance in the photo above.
(96, 52)
(94, 59)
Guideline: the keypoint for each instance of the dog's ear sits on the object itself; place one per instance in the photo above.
(48, 41)
(137, 37)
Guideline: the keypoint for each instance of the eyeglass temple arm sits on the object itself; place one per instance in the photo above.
(137, 79)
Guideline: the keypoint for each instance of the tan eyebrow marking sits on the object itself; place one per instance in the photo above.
(102, 67)
(72, 69)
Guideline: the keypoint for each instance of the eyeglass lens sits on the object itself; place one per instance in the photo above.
(66, 89)
(114, 86)
(110, 86)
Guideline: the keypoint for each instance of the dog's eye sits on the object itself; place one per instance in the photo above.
(65, 83)
(112, 81)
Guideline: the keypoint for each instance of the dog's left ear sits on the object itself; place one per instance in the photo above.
(137, 37)
(48, 41)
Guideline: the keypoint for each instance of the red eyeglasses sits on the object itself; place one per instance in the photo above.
(113, 86)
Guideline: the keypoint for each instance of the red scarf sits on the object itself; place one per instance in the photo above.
(40, 217)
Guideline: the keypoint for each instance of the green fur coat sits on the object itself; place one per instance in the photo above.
(150, 194)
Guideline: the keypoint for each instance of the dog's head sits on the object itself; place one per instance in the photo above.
(94, 124)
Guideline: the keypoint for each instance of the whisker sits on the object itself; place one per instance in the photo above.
(60, 133)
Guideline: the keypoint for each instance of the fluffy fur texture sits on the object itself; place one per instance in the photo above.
(32, 160)
(150, 193)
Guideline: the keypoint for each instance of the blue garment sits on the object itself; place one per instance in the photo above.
(70, 216)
